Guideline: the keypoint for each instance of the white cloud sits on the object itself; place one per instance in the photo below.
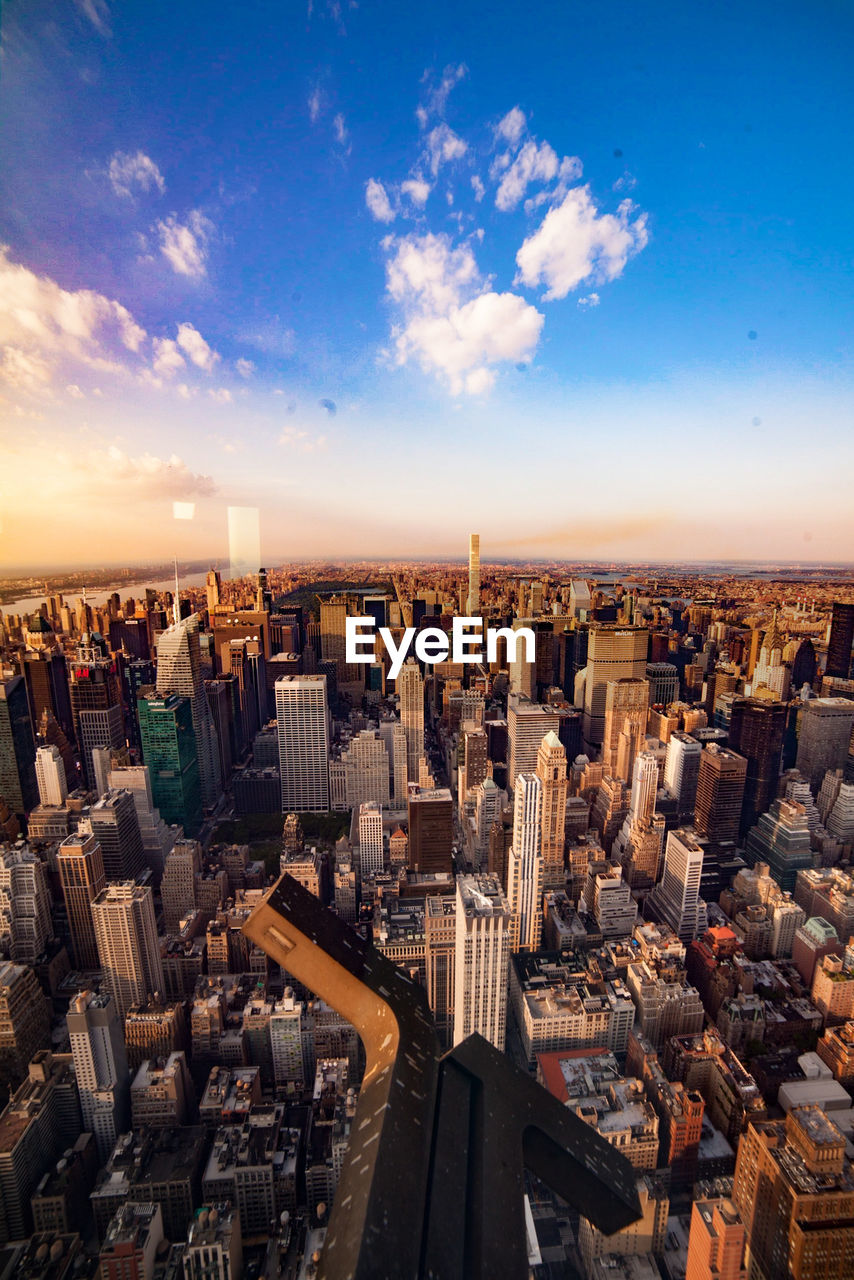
(193, 344)
(74, 391)
(339, 127)
(126, 171)
(512, 126)
(591, 300)
(315, 104)
(478, 188)
(443, 146)
(302, 441)
(417, 189)
(41, 323)
(167, 357)
(534, 163)
(245, 368)
(437, 98)
(575, 243)
(24, 370)
(453, 325)
(185, 245)
(221, 395)
(147, 475)
(376, 198)
(98, 13)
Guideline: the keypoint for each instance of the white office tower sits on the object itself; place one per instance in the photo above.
(609, 900)
(640, 840)
(644, 788)
(488, 803)
(681, 771)
(551, 771)
(840, 820)
(100, 1065)
(400, 771)
(157, 837)
(178, 886)
(527, 724)
(25, 903)
(286, 1041)
(481, 958)
(179, 671)
(676, 900)
(50, 776)
(366, 771)
(525, 865)
(302, 720)
(370, 838)
(126, 934)
(473, 604)
(410, 688)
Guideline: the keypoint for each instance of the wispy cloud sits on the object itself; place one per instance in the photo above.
(128, 171)
(244, 367)
(377, 200)
(339, 128)
(193, 344)
(98, 13)
(302, 441)
(436, 96)
(185, 245)
(443, 146)
(315, 104)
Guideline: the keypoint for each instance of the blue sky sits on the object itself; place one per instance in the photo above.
(577, 278)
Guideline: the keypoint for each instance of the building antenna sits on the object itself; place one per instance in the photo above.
(176, 612)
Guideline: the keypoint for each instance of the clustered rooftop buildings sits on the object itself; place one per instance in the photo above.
(624, 859)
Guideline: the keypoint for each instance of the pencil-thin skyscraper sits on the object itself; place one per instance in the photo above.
(474, 575)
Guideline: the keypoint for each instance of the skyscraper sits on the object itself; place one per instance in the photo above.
(81, 873)
(676, 900)
(179, 671)
(825, 732)
(720, 791)
(25, 902)
(100, 1065)
(431, 829)
(96, 706)
(410, 688)
(525, 865)
(756, 730)
(370, 838)
(126, 935)
(50, 776)
(482, 951)
(17, 748)
(840, 641)
(169, 750)
(681, 771)
(792, 1187)
(551, 771)
(613, 653)
(626, 705)
(473, 604)
(302, 718)
(116, 828)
